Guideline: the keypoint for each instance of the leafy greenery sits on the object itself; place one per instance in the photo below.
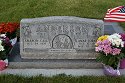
(62, 78)
(110, 60)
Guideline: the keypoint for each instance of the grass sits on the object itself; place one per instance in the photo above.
(62, 78)
(15, 10)
(123, 25)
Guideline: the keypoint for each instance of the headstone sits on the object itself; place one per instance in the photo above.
(59, 37)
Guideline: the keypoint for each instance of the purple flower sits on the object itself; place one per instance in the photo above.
(123, 36)
(106, 42)
(98, 43)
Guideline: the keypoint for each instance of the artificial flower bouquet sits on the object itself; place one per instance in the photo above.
(111, 50)
(8, 37)
(5, 47)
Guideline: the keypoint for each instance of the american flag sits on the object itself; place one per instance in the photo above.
(116, 14)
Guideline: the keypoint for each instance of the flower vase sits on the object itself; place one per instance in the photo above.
(13, 41)
(108, 70)
(3, 64)
(122, 64)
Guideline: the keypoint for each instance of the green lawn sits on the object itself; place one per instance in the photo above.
(123, 25)
(15, 10)
(61, 79)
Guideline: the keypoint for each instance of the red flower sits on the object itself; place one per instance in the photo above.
(2, 27)
(8, 27)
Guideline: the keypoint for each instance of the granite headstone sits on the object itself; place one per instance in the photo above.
(59, 37)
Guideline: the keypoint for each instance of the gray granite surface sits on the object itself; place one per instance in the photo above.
(59, 37)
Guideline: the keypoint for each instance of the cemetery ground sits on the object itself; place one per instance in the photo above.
(15, 10)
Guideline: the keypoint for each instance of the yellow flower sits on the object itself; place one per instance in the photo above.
(96, 44)
(102, 38)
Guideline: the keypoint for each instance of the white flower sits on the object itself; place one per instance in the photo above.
(117, 35)
(114, 36)
(115, 40)
(0, 42)
(3, 35)
(1, 48)
(122, 44)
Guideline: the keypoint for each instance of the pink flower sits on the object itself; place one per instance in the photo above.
(106, 42)
(97, 49)
(98, 43)
(2, 65)
(107, 49)
(116, 51)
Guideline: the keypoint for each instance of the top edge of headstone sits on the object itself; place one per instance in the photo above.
(59, 18)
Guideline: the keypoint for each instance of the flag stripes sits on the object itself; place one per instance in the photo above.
(116, 14)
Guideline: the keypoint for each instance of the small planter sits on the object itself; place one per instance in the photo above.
(3, 65)
(110, 71)
(122, 64)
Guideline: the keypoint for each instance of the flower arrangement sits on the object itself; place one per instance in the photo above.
(8, 37)
(111, 49)
(5, 47)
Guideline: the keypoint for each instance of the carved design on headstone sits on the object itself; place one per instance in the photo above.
(62, 41)
(96, 31)
(27, 31)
